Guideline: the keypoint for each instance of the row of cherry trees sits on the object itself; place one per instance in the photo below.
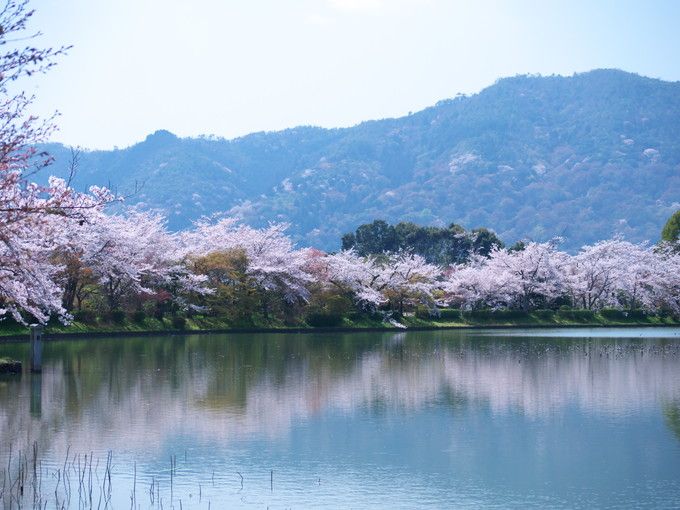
(59, 264)
(62, 254)
(609, 274)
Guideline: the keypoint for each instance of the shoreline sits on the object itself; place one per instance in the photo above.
(55, 336)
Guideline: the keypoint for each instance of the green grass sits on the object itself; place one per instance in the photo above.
(545, 318)
(451, 320)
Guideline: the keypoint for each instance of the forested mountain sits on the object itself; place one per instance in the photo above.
(583, 157)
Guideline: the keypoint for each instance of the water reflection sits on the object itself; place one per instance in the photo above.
(143, 389)
(140, 395)
(36, 394)
(672, 412)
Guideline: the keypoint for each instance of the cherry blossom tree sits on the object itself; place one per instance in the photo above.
(639, 282)
(273, 263)
(126, 255)
(32, 217)
(592, 274)
(535, 272)
(619, 274)
(514, 279)
(668, 282)
(124, 252)
(402, 278)
(407, 279)
(475, 285)
(358, 276)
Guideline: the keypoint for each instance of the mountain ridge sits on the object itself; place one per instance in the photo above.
(585, 157)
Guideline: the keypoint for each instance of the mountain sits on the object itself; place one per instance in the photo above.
(583, 157)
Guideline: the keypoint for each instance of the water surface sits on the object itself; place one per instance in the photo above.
(466, 419)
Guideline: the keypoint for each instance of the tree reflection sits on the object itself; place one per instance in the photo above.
(671, 411)
(122, 392)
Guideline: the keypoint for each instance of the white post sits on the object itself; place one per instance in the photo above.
(36, 347)
(36, 394)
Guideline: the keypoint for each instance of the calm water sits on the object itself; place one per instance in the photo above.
(483, 419)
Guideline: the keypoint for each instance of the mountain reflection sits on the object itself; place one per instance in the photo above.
(122, 394)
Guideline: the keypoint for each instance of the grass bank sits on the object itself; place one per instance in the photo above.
(447, 318)
(9, 366)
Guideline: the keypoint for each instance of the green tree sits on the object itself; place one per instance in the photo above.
(376, 237)
(518, 246)
(671, 230)
(234, 295)
(438, 245)
(349, 240)
(485, 240)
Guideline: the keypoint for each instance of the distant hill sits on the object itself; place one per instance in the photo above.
(583, 157)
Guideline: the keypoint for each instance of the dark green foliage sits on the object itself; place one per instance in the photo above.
(85, 316)
(622, 315)
(450, 314)
(139, 316)
(234, 295)
(583, 157)
(348, 241)
(495, 315)
(327, 309)
(338, 305)
(423, 312)
(518, 246)
(544, 314)
(376, 237)
(444, 246)
(484, 241)
(159, 311)
(671, 230)
(324, 320)
(576, 315)
(179, 322)
(427, 313)
(439, 314)
(116, 316)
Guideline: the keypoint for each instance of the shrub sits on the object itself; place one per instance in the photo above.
(450, 314)
(357, 316)
(667, 313)
(242, 322)
(85, 316)
(497, 315)
(323, 320)
(179, 322)
(637, 314)
(338, 305)
(544, 314)
(139, 316)
(54, 320)
(117, 316)
(422, 312)
(622, 315)
(576, 315)
(427, 313)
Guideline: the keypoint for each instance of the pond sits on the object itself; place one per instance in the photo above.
(467, 419)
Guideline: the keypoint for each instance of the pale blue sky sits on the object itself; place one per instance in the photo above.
(228, 67)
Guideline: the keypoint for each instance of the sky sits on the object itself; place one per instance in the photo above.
(231, 67)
